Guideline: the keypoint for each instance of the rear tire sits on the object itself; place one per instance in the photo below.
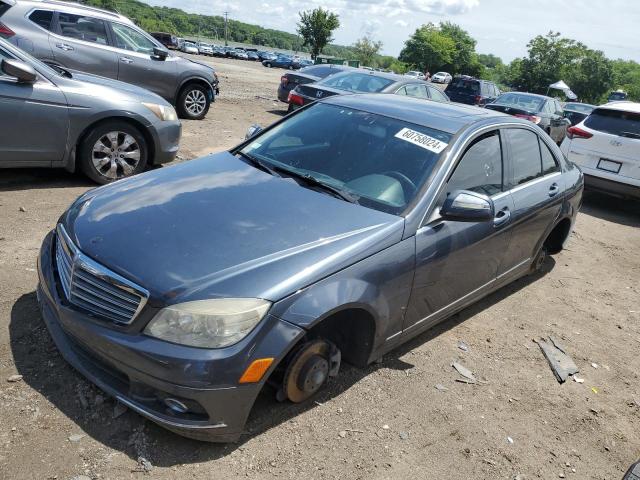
(268, 64)
(193, 102)
(111, 151)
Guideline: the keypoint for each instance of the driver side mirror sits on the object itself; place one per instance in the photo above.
(160, 53)
(20, 70)
(252, 131)
(467, 206)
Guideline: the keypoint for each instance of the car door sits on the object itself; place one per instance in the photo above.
(457, 261)
(38, 121)
(81, 43)
(536, 186)
(137, 64)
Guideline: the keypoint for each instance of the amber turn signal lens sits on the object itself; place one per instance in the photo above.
(256, 370)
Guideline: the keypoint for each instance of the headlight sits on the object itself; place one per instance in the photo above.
(166, 113)
(208, 323)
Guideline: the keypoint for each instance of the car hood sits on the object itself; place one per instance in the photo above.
(217, 227)
(96, 86)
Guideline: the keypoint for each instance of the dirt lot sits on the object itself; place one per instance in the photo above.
(387, 421)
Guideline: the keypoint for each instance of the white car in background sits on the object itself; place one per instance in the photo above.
(205, 49)
(415, 74)
(441, 77)
(606, 147)
(189, 47)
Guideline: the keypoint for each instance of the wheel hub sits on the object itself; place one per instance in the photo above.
(309, 370)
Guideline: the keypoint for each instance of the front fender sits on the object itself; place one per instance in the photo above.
(379, 284)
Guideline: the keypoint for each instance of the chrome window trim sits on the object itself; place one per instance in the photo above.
(458, 149)
(78, 259)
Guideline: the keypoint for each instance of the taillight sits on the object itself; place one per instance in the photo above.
(295, 99)
(477, 99)
(284, 80)
(531, 118)
(573, 132)
(5, 31)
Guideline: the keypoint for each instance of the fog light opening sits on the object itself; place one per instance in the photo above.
(176, 405)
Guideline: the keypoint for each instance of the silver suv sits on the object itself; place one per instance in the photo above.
(91, 40)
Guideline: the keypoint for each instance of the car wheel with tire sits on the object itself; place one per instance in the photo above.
(269, 64)
(111, 151)
(193, 102)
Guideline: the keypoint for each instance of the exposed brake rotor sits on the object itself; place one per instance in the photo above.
(309, 370)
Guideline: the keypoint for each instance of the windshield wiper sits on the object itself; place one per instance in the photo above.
(258, 163)
(630, 135)
(312, 181)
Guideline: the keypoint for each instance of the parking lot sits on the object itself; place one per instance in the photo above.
(406, 417)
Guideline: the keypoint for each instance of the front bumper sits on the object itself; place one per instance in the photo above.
(166, 141)
(141, 372)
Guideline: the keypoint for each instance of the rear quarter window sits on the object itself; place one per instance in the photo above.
(614, 122)
(42, 18)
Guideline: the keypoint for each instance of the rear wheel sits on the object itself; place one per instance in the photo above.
(193, 102)
(269, 64)
(111, 151)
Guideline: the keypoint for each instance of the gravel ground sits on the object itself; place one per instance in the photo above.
(406, 417)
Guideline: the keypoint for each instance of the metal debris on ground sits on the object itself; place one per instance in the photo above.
(465, 372)
(463, 346)
(578, 379)
(441, 387)
(561, 363)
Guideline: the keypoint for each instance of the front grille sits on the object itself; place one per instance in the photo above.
(90, 286)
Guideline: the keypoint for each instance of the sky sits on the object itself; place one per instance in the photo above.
(501, 27)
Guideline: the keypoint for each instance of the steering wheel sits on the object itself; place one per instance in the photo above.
(407, 185)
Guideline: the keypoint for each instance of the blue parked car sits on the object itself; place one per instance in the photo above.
(282, 62)
(337, 234)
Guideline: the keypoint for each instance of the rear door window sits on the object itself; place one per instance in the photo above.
(480, 169)
(416, 90)
(549, 162)
(525, 155)
(614, 122)
(83, 28)
(42, 18)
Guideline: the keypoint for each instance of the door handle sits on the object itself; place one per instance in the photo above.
(502, 217)
(64, 46)
(553, 190)
(126, 60)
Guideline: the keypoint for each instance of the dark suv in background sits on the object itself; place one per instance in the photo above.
(76, 37)
(167, 39)
(472, 91)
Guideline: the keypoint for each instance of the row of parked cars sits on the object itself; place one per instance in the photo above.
(604, 141)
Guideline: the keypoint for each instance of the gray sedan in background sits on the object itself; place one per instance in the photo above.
(100, 42)
(107, 129)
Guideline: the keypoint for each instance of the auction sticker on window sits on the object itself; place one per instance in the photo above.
(420, 139)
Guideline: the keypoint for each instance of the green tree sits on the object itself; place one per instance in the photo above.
(366, 50)
(489, 60)
(464, 59)
(590, 75)
(428, 48)
(316, 28)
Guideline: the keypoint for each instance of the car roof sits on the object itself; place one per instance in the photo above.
(632, 107)
(76, 7)
(535, 95)
(446, 117)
